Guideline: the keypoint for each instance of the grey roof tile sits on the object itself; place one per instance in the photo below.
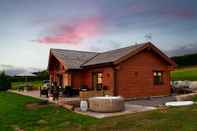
(71, 58)
(77, 59)
(111, 56)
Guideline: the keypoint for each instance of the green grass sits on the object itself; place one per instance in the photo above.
(14, 114)
(35, 84)
(189, 73)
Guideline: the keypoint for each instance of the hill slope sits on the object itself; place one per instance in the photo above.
(186, 67)
(189, 73)
(185, 60)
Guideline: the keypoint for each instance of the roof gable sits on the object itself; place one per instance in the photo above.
(71, 58)
(149, 46)
(112, 56)
(79, 59)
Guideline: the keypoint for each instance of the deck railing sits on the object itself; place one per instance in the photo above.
(91, 93)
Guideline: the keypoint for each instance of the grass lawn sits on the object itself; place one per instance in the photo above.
(15, 115)
(189, 73)
(35, 84)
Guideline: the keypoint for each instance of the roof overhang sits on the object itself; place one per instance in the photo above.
(98, 65)
(148, 46)
(58, 59)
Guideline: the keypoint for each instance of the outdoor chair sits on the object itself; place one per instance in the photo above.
(83, 88)
(69, 91)
(99, 87)
(44, 91)
(55, 93)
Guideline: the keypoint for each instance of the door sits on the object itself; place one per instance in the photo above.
(97, 80)
(94, 80)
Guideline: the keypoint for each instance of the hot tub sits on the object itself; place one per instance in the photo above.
(106, 104)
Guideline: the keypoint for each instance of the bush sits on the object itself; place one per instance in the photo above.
(194, 98)
(5, 83)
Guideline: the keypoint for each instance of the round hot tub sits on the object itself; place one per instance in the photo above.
(106, 104)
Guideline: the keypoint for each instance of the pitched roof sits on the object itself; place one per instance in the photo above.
(111, 56)
(77, 59)
(71, 58)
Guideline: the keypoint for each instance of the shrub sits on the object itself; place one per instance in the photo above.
(194, 98)
(5, 83)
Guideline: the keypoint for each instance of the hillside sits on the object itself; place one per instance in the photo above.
(186, 67)
(188, 73)
(185, 60)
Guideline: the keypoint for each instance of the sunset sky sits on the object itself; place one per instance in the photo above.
(29, 28)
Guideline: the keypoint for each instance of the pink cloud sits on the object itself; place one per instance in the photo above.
(74, 33)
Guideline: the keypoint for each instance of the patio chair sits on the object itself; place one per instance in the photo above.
(75, 92)
(69, 91)
(83, 88)
(99, 87)
(55, 93)
(44, 91)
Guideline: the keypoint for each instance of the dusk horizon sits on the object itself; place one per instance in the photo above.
(29, 29)
(77, 65)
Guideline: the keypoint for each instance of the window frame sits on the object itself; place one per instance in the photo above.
(158, 79)
(96, 75)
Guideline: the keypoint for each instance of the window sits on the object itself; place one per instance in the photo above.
(158, 77)
(97, 80)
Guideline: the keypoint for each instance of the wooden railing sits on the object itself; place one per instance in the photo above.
(91, 93)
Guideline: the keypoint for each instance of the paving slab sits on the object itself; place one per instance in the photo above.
(154, 101)
(133, 106)
(128, 110)
(36, 94)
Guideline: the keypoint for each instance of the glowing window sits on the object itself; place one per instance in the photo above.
(158, 77)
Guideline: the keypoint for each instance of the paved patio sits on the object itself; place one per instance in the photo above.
(133, 106)
(36, 94)
(154, 101)
(128, 110)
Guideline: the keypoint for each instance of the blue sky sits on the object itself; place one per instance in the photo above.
(29, 28)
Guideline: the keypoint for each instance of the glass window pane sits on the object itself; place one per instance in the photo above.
(99, 78)
(158, 77)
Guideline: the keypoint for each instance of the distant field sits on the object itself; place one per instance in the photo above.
(35, 84)
(187, 73)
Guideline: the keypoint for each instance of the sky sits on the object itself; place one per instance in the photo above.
(29, 28)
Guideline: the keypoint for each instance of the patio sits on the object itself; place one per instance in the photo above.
(132, 106)
(152, 101)
(36, 94)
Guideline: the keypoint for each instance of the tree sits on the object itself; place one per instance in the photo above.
(42, 75)
(5, 83)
